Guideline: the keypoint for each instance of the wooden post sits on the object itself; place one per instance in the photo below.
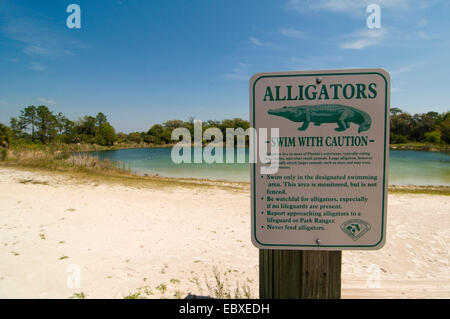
(299, 274)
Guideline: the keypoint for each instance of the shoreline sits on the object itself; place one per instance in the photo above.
(127, 177)
(421, 147)
(393, 147)
(412, 146)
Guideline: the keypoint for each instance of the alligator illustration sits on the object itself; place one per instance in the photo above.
(325, 113)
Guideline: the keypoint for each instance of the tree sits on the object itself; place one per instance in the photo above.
(17, 127)
(86, 129)
(100, 119)
(166, 136)
(106, 135)
(423, 123)
(135, 137)
(69, 133)
(398, 139)
(396, 111)
(46, 123)
(28, 118)
(122, 137)
(5, 140)
(402, 124)
(156, 130)
(433, 137)
(173, 124)
(5, 136)
(444, 127)
(61, 121)
(68, 126)
(158, 134)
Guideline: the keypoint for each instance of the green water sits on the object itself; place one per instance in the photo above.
(405, 167)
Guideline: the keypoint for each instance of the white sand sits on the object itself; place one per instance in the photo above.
(125, 240)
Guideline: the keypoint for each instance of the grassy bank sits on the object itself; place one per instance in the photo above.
(417, 146)
(63, 147)
(60, 159)
(84, 168)
(427, 190)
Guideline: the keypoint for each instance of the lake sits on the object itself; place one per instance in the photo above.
(405, 167)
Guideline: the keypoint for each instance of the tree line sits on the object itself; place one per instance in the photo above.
(38, 124)
(161, 133)
(41, 125)
(430, 127)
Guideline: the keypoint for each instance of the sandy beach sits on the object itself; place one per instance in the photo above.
(60, 237)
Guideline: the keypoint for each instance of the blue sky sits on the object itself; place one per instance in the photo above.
(143, 62)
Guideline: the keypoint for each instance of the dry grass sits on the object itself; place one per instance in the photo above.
(418, 146)
(221, 289)
(428, 190)
(62, 161)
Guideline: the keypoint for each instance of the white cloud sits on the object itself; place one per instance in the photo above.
(427, 36)
(242, 77)
(422, 23)
(34, 49)
(256, 42)
(364, 39)
(403, 69)
(37, 39)
(425, 4)
(36, 66)
(353, 6)
(46, 101)
(314, 61)
(260, 43)
(38, 36)
(240, 72)
(292, 33)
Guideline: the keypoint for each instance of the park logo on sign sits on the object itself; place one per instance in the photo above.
(355, 228)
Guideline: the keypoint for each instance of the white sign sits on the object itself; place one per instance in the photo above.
(330, 190)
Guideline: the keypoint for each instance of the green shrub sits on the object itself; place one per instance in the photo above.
(433, 137)
(398, 139)
(3, 154)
